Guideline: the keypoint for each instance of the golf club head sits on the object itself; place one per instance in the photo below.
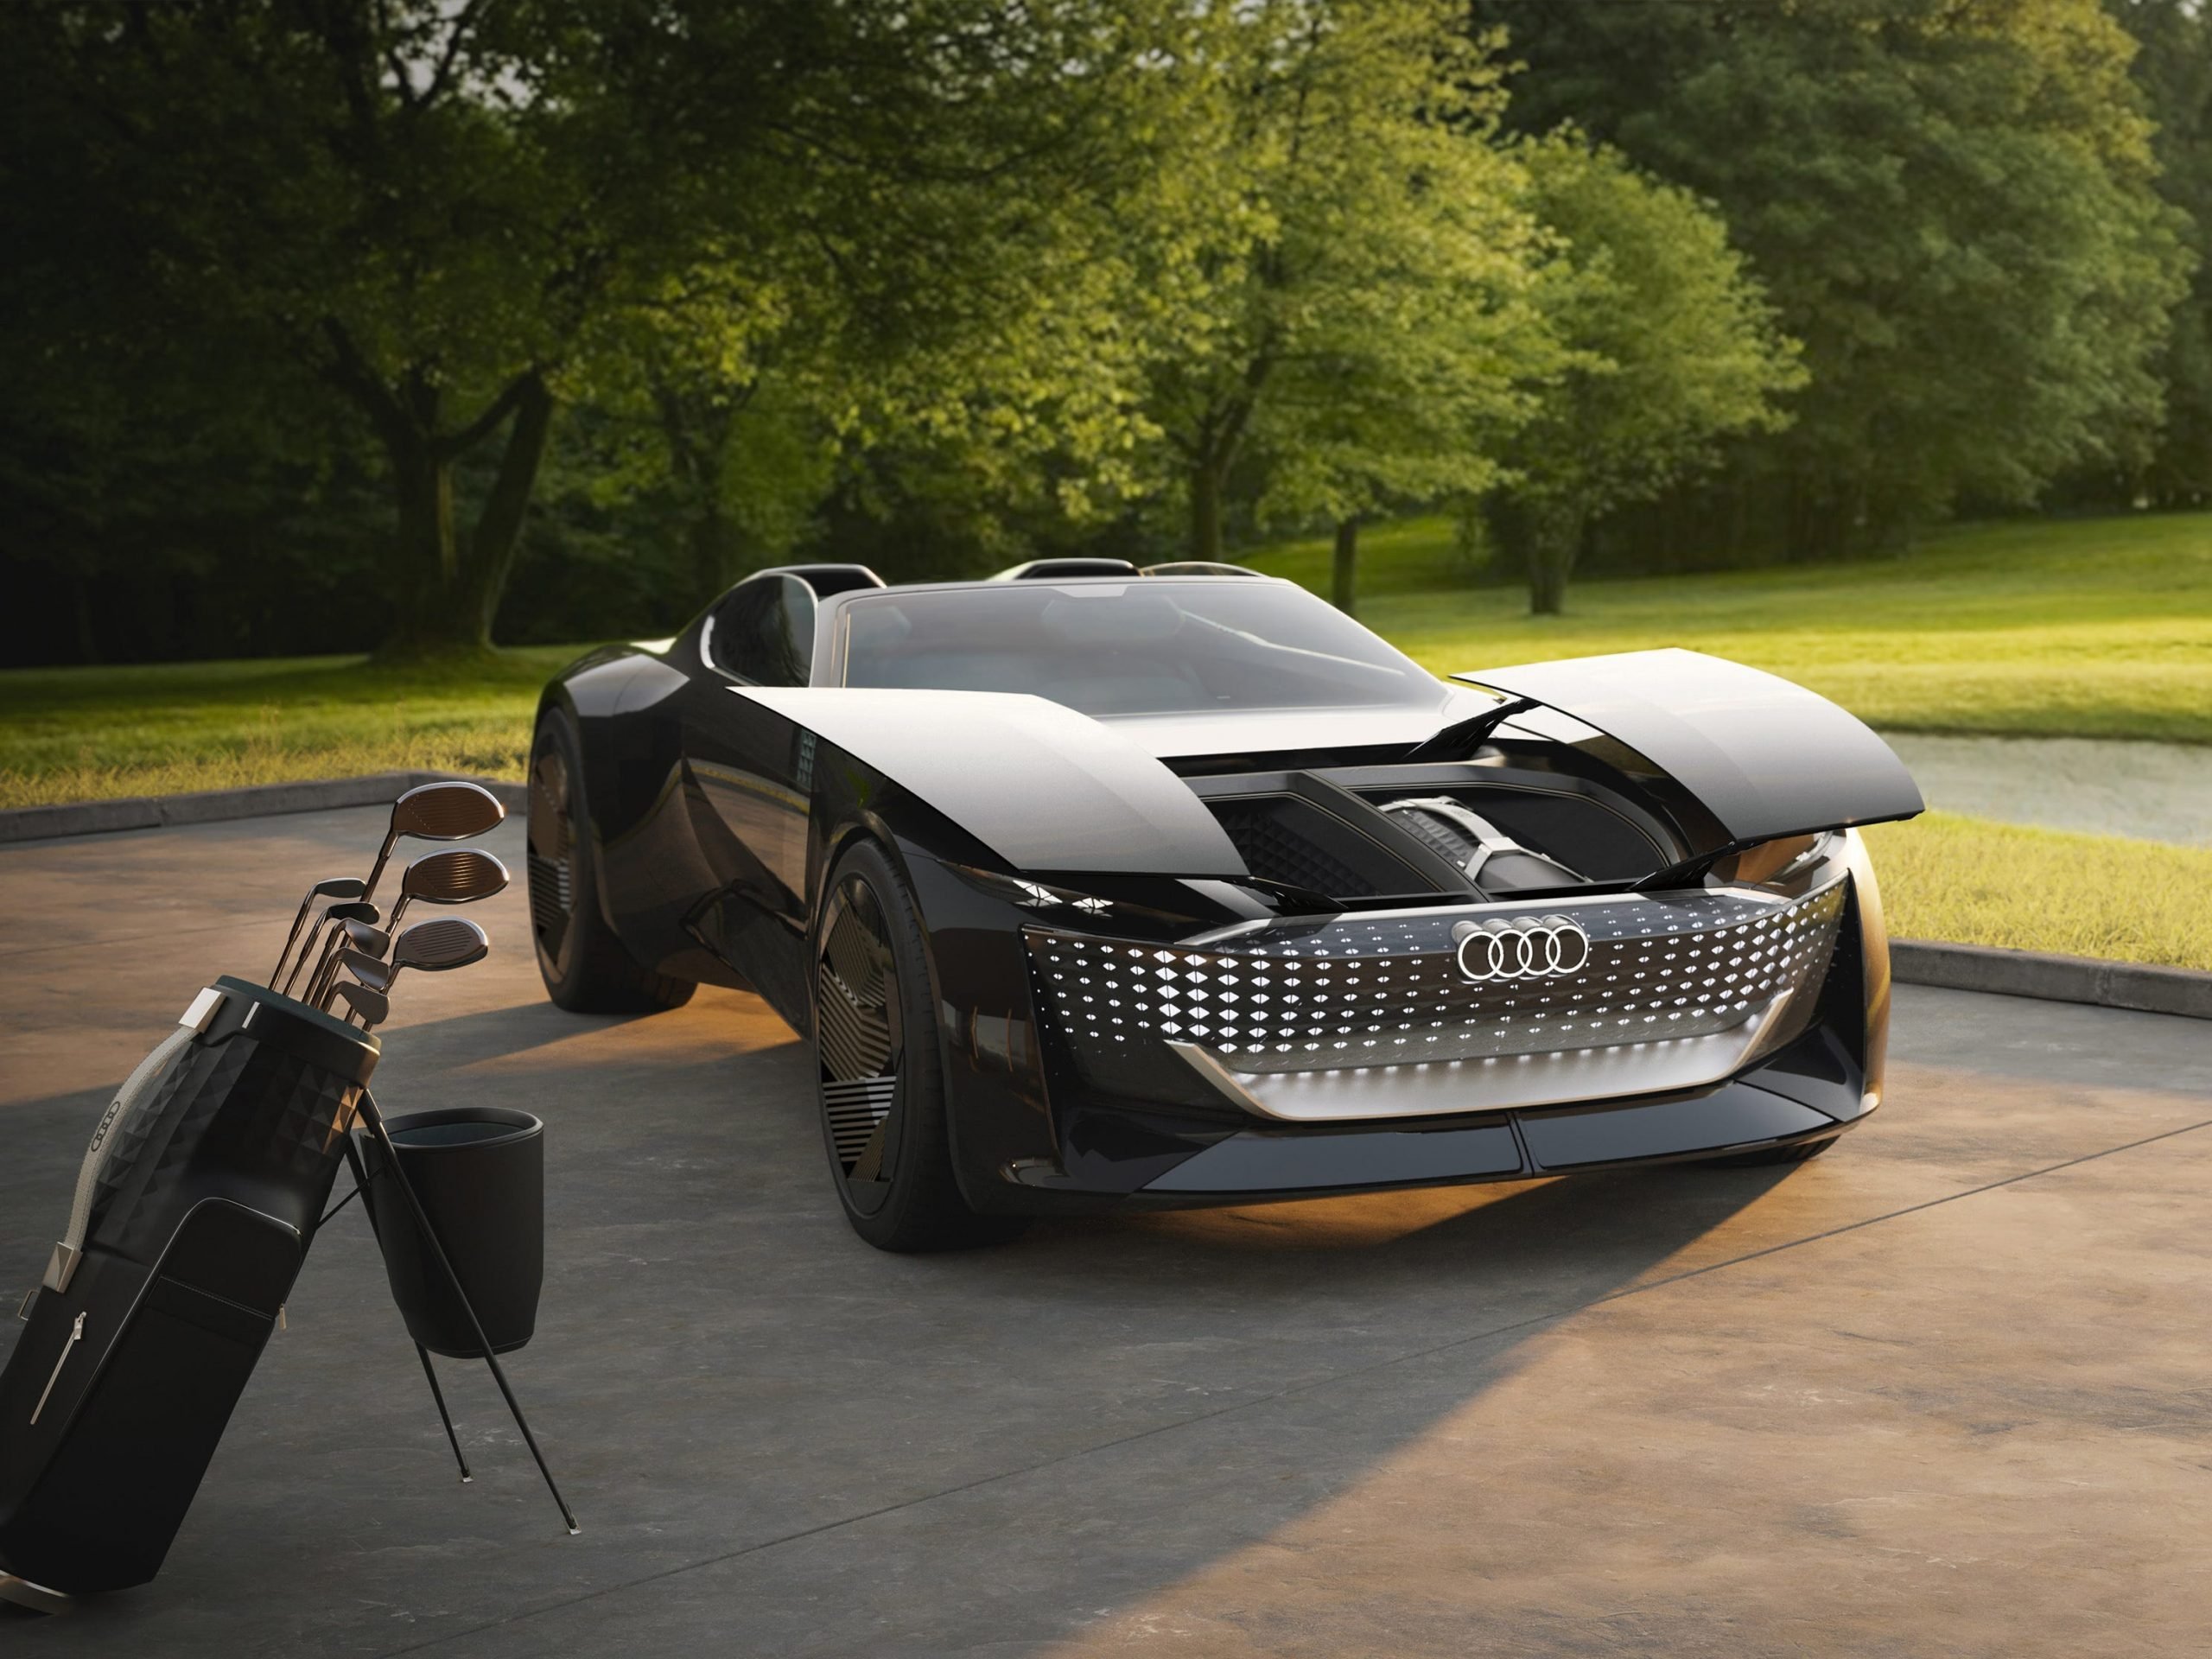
(325, 930)
(359, 936)
(370, 1004)
(458, 877)
(453, 810)
(365, 935)
(337, 886)
(435, 947)
(371, 972)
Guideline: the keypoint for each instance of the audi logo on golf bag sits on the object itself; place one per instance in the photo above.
(1532, 947)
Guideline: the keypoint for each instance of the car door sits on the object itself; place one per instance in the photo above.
(747, 785)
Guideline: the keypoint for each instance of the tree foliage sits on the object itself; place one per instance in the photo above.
(2173, 65)
(1670, 346)
(1950, 201)
(446, 215)
(1358, 315)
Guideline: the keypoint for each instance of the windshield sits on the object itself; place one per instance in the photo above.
(1147, 647)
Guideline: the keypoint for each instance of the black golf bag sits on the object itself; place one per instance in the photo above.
(199, 1197)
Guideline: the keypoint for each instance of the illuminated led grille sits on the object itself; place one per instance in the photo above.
(1355, 992)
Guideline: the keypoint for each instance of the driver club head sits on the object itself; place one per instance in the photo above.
(436, 947)
(370, 1004)
(460, 876)
(323, 938)
(452, 811)
(338, 887)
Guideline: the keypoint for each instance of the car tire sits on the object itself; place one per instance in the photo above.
(879, 1071)
(1804, 1152)
(586, 968)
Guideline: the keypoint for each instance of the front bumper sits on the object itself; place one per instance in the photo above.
(1356, 1053)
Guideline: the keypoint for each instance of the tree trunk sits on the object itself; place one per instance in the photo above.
(1553, 539)
(1343, 567)
(1205, 507)
(446, 592)
(424, 553)
(498, 535)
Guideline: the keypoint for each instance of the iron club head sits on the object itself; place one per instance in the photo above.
(338, 887)
(323, 937)
(354, 934)
(370, 1004)
(445, 811)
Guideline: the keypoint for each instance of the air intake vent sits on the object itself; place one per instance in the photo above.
(1283, 838)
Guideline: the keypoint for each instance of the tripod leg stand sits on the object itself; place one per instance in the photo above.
(361, 1184)
(373, 1119)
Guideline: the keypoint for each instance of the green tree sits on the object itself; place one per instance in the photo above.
(1357, 308)
(2173, 65)
(443, 213)
(1669, 347)
(1950, 202)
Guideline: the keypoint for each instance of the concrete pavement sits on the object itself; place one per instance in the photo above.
(1943, 1391)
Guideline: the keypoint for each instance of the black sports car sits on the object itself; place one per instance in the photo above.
(1094, 886)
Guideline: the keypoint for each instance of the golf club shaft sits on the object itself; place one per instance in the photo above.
(292, 937)
(376, 870)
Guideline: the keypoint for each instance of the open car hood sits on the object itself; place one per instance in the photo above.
(1764, 757)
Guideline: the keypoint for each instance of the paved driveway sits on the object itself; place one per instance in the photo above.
(1945, 1391)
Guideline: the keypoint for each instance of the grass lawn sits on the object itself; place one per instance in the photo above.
(81, 734)
(2088, 627)
(1974, 882)
(2095, 627)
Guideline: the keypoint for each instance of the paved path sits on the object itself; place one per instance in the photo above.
(1943, 1392)
(2154, 791)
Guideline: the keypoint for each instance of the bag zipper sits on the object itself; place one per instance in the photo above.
(76, 1336)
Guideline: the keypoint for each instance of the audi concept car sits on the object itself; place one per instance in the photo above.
(1092, 885)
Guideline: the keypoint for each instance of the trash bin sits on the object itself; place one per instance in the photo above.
(479, 1173)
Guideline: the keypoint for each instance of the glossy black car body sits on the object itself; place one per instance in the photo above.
(1208, 951)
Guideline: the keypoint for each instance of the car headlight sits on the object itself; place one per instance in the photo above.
(1770, 863)
(1020, 890)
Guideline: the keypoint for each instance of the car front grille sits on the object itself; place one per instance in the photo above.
(1370, 991)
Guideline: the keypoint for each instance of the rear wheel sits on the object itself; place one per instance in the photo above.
(1799, 1153)
(586, 969)
(880, 1082)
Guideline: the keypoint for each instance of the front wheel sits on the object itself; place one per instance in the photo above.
(880, 1081)
(586, 969)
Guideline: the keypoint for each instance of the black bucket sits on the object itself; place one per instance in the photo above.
(479, 1173)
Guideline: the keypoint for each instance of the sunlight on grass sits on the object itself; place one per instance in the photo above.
(1974, 882)
(2091, 628)
(81, 734)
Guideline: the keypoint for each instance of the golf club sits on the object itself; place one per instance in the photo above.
(338, 887)
(317, 946)
(373, 971)
(446, 811)
(458, 877)
(358, 935)
(372, 1005)
(431, 947)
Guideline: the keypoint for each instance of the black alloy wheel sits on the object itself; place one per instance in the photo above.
(585, 967)
(880, 1083)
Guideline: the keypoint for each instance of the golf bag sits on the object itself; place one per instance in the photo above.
(199, 1197)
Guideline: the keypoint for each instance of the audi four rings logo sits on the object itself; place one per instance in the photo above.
(1537, 947)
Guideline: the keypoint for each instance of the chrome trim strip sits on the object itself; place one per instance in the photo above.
(1502, 1082)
